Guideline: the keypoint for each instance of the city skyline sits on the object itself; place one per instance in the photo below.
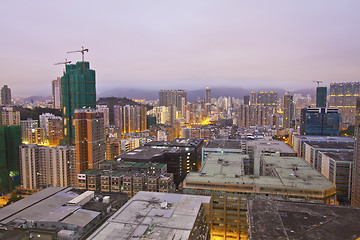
(147, 45)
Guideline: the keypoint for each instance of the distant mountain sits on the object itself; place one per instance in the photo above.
(37, 98)
(193, 94)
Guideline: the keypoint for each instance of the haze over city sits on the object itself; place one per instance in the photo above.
(188, 44)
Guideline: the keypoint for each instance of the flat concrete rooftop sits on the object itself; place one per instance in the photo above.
(340, 156)
(293, 172)
(324, 138)
(37, 205)
(331, 145)
(224, 143)
(289, 220)
(271, 145)
(143, 217)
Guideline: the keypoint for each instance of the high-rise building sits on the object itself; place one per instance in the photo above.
(130, 119)
(53, 127)
(105, 110)
(172, 98)
(355, 192)
(252, 115)
(253, 98)
(320, 121)
(43, 166)
(208, 100)
(10, 140)
(9, 117)
(35, 135)
(118, 117)
(25, 125)
(343, 96)
(288, 111)
(321, 94)
(267, 99)
(78, 91)
(89, 139)
(5, 95)
(56, 93)
(246, 100)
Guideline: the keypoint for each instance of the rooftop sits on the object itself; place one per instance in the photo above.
(290, 220)
(37, 205)
(81, 217)
(179, 142)
(332, 145)
(271, 145)
(292, 172)
(143, 215)
(340, 156)
(227, 144)
(324, 138)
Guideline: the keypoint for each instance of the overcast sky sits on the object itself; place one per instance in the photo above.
(181, 44)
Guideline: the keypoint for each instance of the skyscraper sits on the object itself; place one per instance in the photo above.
(355, 192)
(208, 100)
(56, 93)
(267, 99)
(169, 98)
(321, 94)
(5, 95)
(343, 96)
(288, 111)
(78, 91)
(89, 139)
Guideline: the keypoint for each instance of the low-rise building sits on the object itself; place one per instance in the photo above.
(313, 149)
(223, 177)
(164, 216)
(338, 168)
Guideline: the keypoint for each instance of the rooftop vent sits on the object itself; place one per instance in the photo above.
(164, 205)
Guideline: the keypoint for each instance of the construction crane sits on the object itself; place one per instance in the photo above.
(83, 50)
(318, 82)
(66, 62)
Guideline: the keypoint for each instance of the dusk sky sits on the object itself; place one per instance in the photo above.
(181, 44)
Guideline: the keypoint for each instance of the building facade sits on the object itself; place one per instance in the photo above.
(343, 96)
(89, 138)
(56, 93)
(42, 166)
(320, 121)
(288, 111)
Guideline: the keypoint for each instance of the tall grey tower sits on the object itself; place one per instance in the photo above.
(5, 95)
(208, 100)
